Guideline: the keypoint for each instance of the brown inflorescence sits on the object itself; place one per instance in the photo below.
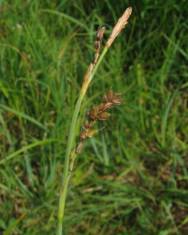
(98, 113)
(98, 42)
(122, 22)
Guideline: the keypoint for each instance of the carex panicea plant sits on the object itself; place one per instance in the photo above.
(97, 113)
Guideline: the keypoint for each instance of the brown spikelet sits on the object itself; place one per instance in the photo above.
(103, 116)
(96, 113)
(98, 42)
(112, 98)
(109, 100)
(123, 20)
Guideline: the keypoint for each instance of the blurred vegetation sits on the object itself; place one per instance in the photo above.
(131, 178)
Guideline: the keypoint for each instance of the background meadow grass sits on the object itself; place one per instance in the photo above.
(131, 179)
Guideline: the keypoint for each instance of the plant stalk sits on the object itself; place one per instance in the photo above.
(70, 144)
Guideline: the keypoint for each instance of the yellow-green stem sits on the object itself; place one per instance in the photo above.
(70, 143)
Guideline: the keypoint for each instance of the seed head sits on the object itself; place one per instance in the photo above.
(123, 20)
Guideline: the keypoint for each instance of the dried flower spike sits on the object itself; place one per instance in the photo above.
(99, 37)
(98, 42)
(123, 20)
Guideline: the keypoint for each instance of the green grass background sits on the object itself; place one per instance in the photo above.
(132, 178)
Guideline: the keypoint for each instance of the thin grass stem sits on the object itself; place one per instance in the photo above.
(71, 140)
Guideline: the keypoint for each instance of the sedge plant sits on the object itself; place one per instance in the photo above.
(96, 113)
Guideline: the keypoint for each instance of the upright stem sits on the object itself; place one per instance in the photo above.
(123, 20)
(70, 143)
